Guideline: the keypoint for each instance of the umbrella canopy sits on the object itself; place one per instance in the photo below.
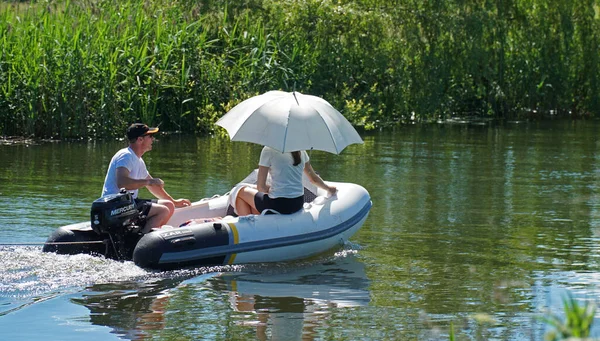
(289, 121)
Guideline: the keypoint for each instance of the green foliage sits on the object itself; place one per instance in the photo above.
(577, 324)
(88, 68)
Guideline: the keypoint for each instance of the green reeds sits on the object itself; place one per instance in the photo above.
(577, 324)
(85, 68)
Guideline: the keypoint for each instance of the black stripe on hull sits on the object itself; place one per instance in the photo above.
(152, 246)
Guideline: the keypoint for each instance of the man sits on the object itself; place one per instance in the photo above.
(128, 170)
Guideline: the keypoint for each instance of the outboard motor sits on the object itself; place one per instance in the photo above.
(117, 217)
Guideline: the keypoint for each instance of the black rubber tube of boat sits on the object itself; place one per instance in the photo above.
(51, 243)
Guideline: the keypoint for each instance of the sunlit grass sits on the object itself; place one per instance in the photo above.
(87, 68)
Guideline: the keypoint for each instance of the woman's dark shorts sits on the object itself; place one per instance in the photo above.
(144, 205)
(262, 201)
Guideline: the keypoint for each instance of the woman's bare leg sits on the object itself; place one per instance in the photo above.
(244, 203)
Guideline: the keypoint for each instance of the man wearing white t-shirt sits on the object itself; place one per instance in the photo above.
(128, 170)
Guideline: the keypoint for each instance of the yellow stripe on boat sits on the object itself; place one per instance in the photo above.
(236, 240)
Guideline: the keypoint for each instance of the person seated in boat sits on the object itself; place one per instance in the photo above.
(128, 170)
(286, 192)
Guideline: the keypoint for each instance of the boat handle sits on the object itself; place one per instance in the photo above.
(269, 210)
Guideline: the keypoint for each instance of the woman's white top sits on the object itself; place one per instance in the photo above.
(286, 179)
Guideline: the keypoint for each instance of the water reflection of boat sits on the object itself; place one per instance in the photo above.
(341, 282)
(130, 309)
(293, 305)
(323, 223)
(284, 302)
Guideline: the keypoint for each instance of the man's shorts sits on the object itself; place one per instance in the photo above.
(262, 201)
(144, 205)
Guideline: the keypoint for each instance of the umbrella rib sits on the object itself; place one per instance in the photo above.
(287, 126)
(329, 131)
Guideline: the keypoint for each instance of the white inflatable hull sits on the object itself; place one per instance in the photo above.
(321, 225)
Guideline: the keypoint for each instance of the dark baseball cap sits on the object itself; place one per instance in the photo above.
(139, 129)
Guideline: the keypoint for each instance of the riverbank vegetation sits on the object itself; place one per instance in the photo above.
(87, 68)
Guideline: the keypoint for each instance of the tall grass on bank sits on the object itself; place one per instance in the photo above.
(85, 68)
(79, 69)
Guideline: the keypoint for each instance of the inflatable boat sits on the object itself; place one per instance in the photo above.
(210, 233)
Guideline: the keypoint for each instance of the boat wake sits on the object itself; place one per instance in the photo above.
(29, 276)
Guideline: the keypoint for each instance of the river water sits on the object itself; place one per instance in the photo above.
(483, 228)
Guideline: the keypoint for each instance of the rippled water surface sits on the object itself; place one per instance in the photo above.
(485, 227)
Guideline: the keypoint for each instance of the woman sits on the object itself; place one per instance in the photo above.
(286, 193)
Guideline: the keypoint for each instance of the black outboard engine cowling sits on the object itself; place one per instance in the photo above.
(117, 217)
(112, 213)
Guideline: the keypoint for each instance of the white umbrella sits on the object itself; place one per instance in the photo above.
(289, 121)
